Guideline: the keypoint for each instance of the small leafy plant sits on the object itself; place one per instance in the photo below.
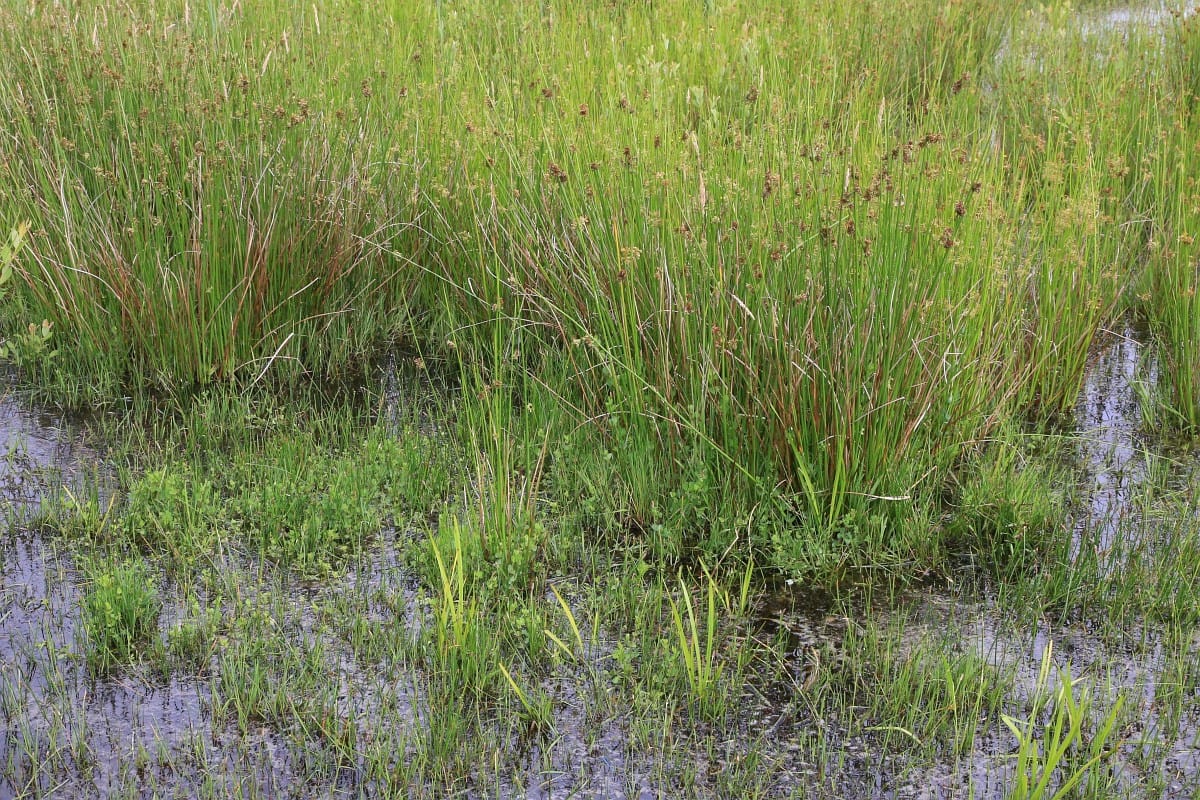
(120, 612)
(170, 510)
(8, 254)
(31, 345)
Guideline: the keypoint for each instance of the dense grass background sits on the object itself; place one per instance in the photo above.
(727, 442)
(787, 269)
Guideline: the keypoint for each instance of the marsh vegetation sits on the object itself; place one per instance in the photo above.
(688, 398)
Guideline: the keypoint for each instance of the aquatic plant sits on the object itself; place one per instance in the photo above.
(696, 646)
(120, 612)
(737, 306)
(1050, 764)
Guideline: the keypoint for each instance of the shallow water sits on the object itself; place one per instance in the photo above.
(65, 732)
(74, 734)
(70, 733)
(1147, 16)
(1112, 453)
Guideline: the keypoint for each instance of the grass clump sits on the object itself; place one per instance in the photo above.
(1065, 753)
(120, 612)
(267, 679)
(695, 644)
(192, 222)
(462, 644)
(1172, 277)
(193, 640)
(1009, 512)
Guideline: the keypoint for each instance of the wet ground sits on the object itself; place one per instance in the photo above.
(68, 732)
(1113, 526)
(71, 733)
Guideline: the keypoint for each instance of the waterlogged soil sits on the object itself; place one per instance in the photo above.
(1155, 756)
(69, 732)
(1158, 752)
